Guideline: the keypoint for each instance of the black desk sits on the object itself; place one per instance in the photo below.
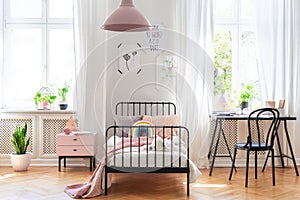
(219, 121)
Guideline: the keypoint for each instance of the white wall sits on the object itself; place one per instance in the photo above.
(130, 85)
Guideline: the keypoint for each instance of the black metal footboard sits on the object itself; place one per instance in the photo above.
(143, 154)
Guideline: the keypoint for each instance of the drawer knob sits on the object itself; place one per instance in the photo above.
(74, 149)
(74, 139)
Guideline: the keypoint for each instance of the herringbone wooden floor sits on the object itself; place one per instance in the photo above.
(48, 183)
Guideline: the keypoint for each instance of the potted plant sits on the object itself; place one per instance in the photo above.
(20, 159)
(44, 99)
(247, 94)
(62, 92)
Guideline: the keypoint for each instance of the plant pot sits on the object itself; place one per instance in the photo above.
(63, 106)
(44, 105)
(244, 105)
(20, 162)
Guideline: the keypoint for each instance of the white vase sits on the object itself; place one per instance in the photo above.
(20, 162)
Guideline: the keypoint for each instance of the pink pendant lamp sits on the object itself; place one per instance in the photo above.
(126, 18)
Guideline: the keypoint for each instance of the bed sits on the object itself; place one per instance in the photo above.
(147, 139)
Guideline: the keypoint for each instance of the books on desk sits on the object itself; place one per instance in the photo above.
(224, 113)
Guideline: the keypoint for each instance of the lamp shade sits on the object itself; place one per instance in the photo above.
(126, 18)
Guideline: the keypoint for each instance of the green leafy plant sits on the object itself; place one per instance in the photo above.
(19, 140)
(40, 98)
(62, 92)
(248, 92)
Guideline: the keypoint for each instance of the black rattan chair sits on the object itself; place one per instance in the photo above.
(257, 140)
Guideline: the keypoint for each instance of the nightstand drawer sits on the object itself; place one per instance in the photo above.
(62, 139)
(75, 150)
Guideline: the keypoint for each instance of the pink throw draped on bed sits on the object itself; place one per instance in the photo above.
(94, 186)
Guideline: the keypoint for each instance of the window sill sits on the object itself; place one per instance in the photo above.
(30, 111)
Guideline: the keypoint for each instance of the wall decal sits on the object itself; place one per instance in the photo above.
(166, 70)
(129, 57)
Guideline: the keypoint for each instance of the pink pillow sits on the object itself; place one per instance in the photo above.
(125, 121)
(165, 120)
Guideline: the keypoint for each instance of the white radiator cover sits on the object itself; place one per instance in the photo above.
(42, 128)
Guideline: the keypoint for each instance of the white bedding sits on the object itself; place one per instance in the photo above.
(158, 159)
(129, 157)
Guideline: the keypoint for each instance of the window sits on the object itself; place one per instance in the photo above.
(38, 49)
(235, 47)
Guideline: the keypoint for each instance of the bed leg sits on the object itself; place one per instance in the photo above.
(188, 184)
(105, 183)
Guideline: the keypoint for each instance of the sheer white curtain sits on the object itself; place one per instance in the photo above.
(277, 50)
(89, 103)
(278, 33)
(297, 75)
(200, 23)
(197, 23)
(1, 50)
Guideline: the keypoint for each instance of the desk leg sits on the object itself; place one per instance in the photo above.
(212, 139)
(279, 148)
(290, 147)
(228, 149)
(216, 146)
(265, 164)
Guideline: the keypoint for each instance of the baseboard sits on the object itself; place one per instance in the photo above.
(219, 162)
(226, 162)
(83, 162)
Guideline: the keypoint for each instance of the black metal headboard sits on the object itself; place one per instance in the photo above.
(145, 108)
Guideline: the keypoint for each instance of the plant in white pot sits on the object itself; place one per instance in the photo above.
(247, 94)
(20, 159)
(62, 92)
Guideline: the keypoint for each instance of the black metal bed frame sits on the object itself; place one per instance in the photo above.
(145, 108)
(148, 108)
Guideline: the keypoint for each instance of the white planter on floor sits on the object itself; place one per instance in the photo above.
(20, 162)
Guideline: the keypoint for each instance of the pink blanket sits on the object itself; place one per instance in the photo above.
(90, 189)
(94, 186)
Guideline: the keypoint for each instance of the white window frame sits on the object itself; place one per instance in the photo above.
(236, 25)
(44, 23)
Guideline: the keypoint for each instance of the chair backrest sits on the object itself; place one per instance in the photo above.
(270, 117)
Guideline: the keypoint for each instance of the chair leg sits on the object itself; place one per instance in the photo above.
(255, 164)
(273, 167)
(247, 168)
(233, 163)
